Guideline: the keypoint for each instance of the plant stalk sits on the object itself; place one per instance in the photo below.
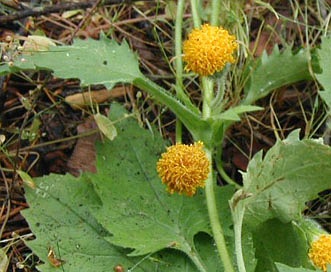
(237, 240)
(216, 8)
(195, 14)
(207, 91)
(179, 62)
(216, 227)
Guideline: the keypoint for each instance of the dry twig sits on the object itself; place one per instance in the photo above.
(38, 11)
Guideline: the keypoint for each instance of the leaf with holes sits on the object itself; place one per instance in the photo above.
(291, 173)
(101, 61)
(136, 208)
(68, 238)
(59, 216)
(126, 205)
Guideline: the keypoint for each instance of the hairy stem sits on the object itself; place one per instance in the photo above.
(207, 91)
(208, 96)
(195, 14)
(179, 62)
(237, 237)
(216, 226)
(215, 7)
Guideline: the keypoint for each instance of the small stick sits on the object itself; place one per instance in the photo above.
(38, 11)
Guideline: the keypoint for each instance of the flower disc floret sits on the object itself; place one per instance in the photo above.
(208, 49)
(320, 252)
(184, 168)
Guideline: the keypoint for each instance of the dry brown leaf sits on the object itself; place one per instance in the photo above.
(81, 100)
(83, 157)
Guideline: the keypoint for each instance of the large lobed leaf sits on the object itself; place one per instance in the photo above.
(276, 70)
(133, 207)
(292, 172)
(59, 216)
(136, 208)
(101, 61)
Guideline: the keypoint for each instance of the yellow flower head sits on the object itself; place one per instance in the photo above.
(183, 168)
(208, 49)
(320, 251)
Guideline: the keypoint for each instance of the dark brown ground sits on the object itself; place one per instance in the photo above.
(56, 142)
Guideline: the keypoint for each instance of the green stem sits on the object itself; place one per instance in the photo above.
(179, 62)
(208, 95)
(179, 131)
(215, 220)
(237, 240)
(207, 91)
(178, 42)
(216, 8)
(195, 14)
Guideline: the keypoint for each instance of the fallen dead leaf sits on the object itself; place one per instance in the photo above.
(83, 157)
(81, 100)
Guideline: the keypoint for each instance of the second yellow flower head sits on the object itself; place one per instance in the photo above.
(184, 168)
(208, 49)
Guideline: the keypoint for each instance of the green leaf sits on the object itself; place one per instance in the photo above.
(74, 234)
(325, 77)
(276, 70)
(58, 215)
(92, 61)
(136, 208)
(133, 207)
(233, 114)
(278, 242)
(292, 172)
